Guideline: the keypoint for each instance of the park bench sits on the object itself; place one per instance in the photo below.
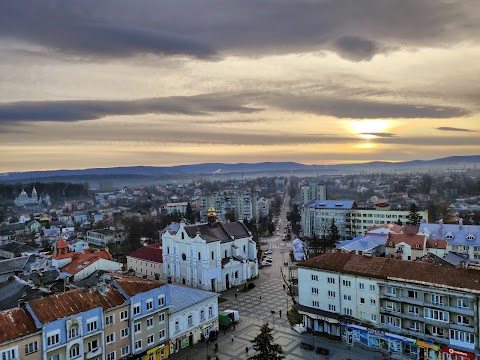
(307, 346)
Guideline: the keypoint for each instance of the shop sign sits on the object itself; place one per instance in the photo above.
(428, 345)
(458, 353)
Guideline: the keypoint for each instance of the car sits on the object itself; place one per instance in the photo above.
(267, 258)
(268, 252)
(266, 263)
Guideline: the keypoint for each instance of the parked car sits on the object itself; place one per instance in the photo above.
(266, 263)
(268, 252)
(268, 258)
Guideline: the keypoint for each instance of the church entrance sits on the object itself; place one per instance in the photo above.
(227, 281)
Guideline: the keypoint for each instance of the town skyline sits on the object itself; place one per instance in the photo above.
(108, 84)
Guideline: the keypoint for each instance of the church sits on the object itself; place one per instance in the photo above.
(24, 200)
(212, 256)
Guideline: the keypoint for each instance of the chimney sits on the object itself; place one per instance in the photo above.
(460, 224)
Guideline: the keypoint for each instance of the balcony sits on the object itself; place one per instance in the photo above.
(410, 301)
(461, 311)
(412, 316)
(390, 311)
(462, 327)
(93, 353)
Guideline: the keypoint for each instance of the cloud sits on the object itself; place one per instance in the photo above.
(447, 128)
(356, 30)
(78, 110)
(380, 134)
(355, 48)
(363, 108)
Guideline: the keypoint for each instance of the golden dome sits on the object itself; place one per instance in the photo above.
(211, 211)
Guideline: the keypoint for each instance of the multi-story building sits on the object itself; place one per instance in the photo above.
(350, 220)
(263, 206)
(147, 261)
(170, 208)
(19, 336)
(212, 256)
(104, 237)
(313, 191)
(421, 310)
(242, 203)
(193, 315)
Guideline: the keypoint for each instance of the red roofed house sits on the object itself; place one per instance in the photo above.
(147, 261)
(406, 246)
(82, 265)
(19, 336)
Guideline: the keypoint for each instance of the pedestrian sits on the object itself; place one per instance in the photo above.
(260, 297)
(236, 295)
(384, 357)
(224, 331)
(246, 350)
(234, 326)
(280, 313)
(231, 337)
(216, 358)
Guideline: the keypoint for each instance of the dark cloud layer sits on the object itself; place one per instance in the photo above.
(356, 30)
(447, 128)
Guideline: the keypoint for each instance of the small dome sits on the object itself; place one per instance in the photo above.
(211, 211)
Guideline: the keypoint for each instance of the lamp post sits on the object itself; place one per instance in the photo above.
(208, 356)
(287, 306)
(313, 337)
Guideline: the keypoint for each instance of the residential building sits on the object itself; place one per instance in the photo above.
(212, 256)
(313, 191)
(193, 315)
(19, 336)
(242, 203)
(147, 261)
(420, 310)
(105, 237)
(263, 206)
(170, 208)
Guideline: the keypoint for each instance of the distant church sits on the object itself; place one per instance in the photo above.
(24, 200)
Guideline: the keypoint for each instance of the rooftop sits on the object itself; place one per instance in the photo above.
(183, 297)
(16, 323)
(151, 252)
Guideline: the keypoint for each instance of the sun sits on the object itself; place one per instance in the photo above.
(367, 129)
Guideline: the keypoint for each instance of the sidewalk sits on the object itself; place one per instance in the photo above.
(289, 339)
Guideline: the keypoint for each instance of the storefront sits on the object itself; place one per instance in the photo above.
(428, 350)
(381, 340)
(454, 354)
(159, 352)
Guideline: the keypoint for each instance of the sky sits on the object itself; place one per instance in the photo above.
(101, 83)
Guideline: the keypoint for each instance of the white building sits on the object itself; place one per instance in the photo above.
(170, 208)
(242, 203)
(263, 206)
(212, 256)
(313, 191)
(23, 199)
(147, 261)
(420, 310)
(349, 218)
(104, 237)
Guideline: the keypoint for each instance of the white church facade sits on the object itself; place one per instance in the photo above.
(212, 256)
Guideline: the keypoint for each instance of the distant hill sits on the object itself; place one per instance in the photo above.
(156, 172)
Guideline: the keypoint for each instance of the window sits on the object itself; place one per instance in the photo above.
(125, 350)
(412, 310)
(372, 288)
(362, 300)
(347, 311)
(31, 347)
(124, 333)
(347, 297)
(437, 299)
(414, 326)
(435, 314)
(138, 344)
(190, 320)
(124, 315)
(347, 283)
(92, 325)
(112, 356)
(463, 320)
(149, 323)
(161, 334)
(361, 286)
(437, 331)
(149, 303)
(391, 291)
(315, 304)
(362, 315)
(331, 294)
(373, 302)
(373, 317)
(331, 280)
(161, 300)
(332, 307)
(93, 345)
(202, 315)
(462, 336)
(74, 351)
(315, 291)
(390, 320)
(110, 338)
(109, 320)
(213, 255)
(9, 354)
(390, 305)
(412, 294)
(137, 327)
(177, 326)
(53, 339)
(73, 332)
(161, 318)
(136, 309)
(199, 256)
(314, 277)
(463, 303)
(210, 311)
(150, 339)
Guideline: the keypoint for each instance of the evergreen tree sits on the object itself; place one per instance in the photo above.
(413, 218)
(189, 214)
(264, 346)
(333, 235)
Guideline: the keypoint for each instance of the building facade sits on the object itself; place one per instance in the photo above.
(313, 191)
(242, 203)
(147, 261)
(423, 311)
(104, 237)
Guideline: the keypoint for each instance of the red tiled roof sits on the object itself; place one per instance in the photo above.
(16, 323)
(134, 285)
(61, 244)
(75, 301)
(81, 261)
(386, 268)
(415, 241)
(151, 252)
(437, 244)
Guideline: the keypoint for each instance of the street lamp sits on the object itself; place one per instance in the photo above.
(208, 356)
(313, 337)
